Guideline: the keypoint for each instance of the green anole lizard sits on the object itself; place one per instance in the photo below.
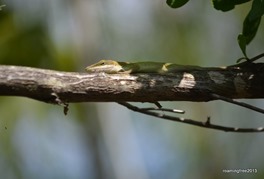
(113, 67)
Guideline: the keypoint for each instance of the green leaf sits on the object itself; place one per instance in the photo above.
(227, 5)
(250, 29)
(242, 43)
(252, 20)
(176, 3)
(257, 9)
(251, 25)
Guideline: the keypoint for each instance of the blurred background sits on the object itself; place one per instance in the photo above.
(105, 140)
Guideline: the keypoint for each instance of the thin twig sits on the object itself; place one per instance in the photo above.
(256, 57)
(206, 124)
(250, 60)
(179, 111)
(157, 104)
(245, 105)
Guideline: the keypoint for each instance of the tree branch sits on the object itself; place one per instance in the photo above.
(245, 81)
(206, 124)
(245, 105)
(65, 87)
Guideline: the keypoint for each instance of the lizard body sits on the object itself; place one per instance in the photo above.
(112, 67)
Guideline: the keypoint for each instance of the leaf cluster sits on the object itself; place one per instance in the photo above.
(251, 21)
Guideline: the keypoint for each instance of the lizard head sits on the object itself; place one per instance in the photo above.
(106, 66)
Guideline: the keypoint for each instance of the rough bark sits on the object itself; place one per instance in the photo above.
(66, 87)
